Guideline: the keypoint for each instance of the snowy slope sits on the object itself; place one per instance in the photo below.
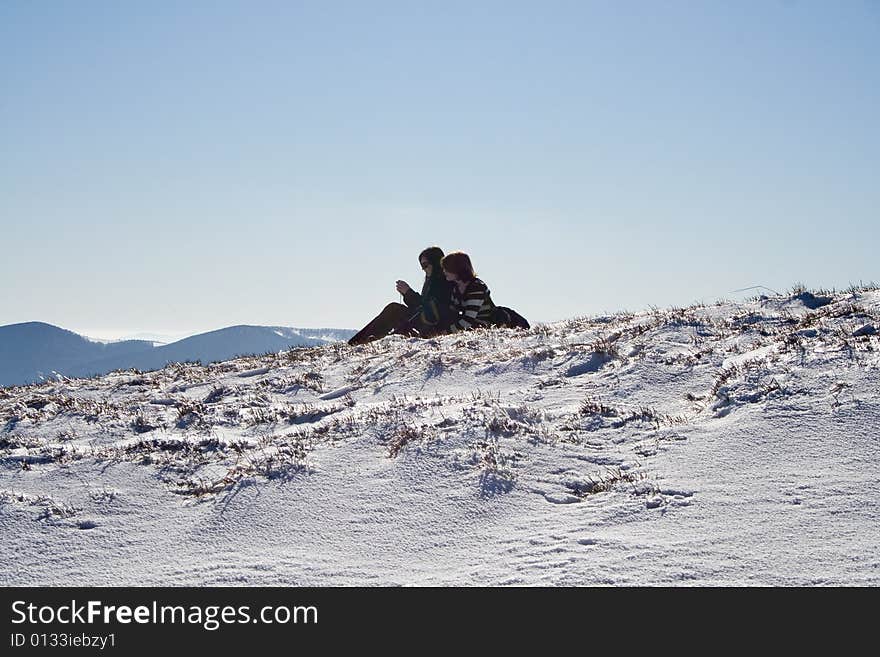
(722, 445)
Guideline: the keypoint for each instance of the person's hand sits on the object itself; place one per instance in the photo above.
(403, 287)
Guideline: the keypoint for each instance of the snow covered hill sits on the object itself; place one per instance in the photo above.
(36, 351)
(732, 444)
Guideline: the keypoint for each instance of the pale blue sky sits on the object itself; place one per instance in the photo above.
(183, 166)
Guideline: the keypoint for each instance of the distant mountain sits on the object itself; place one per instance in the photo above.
(222, 344)
(150, 337)
(34, 351)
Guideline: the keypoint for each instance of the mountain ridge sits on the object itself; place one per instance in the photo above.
(35, 351)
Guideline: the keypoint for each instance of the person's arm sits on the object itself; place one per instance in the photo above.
(410, 297)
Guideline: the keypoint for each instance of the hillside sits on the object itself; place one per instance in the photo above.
(731, 444)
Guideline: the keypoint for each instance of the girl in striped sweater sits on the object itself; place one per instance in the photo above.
(471, 302)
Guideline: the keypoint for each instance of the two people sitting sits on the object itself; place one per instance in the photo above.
(452, 299)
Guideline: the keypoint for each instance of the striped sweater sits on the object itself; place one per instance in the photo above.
(472, 308)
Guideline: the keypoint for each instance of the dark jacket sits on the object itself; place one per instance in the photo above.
(432, 306)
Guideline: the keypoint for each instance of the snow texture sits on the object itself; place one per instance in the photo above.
(732, 444)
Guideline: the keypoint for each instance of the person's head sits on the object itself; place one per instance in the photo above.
(430, 258)
(458, 268)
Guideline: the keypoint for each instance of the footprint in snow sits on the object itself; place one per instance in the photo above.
(593, 364)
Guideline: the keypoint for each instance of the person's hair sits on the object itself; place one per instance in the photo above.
(433, 254)
(459, 263)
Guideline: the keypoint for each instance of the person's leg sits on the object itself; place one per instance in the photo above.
(405, 327)
(415, 327)
(390, 317)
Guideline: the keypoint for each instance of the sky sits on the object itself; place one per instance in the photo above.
(176, 167)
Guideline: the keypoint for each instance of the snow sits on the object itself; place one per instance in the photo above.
(731, 444)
